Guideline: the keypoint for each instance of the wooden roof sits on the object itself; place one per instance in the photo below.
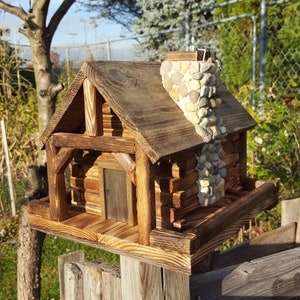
(135, 93)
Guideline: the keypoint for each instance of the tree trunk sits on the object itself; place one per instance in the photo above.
(29, 260)
(46, 89)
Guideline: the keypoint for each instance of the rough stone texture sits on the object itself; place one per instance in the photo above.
(193, 86)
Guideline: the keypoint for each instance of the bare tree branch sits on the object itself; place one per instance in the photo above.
(59, 14)
(14, 10)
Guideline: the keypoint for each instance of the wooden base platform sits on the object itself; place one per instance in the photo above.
(206, 228)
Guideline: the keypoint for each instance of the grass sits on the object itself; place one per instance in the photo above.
(53, 247)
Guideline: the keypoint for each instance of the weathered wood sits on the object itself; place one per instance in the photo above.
(274, 276)
(97, 143)
(291, 213)
(180, 168)
(171, 185)
(208, 227)
(62, 158)
(176, 285)
(87, 183)
(178, 199)
(127, 163)
(73, 282)
(117, 195)
(96, 279)
(145, 196)
(29, 260)
(57, 186)
(73, 103)
(111, 281)
(77, 256)
(112, 236)
(242, 149)
(277, 240)
(92, 109)
(140, 280)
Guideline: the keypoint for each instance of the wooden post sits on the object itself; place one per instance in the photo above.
(140, 280)
(145, 196)
(176, 285)
(291, 213)
(29, 260)
(57, 186)
(92, 109)
(73, 282)
(62, 260)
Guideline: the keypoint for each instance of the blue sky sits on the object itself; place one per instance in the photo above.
(76, 27)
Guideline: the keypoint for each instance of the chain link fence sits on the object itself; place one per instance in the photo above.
(283, 50)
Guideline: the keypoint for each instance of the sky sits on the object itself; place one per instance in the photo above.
(76, 28)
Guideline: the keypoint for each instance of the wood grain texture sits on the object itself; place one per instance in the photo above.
(291, 213)
(176, 285)
(92, 109)
(188, 55)
(145, 196)
(87, 229)
(97, 143)
(56, 185)
(140, 280)
(214, 224)
(277, 240)
(275, 276)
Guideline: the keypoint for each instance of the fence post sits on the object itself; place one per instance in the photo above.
(263, 47)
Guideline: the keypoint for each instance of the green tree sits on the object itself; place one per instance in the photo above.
(235, 42)
(168, 26)
(120, 11)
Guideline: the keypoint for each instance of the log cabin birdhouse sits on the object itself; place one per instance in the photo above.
(157, 162)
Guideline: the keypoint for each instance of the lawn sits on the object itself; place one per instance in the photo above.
(53, 247)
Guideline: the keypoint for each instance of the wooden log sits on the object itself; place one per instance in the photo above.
(171, 185)
(63, 158)
(181, 168)
(178, 199)
(145, 196)
(171, 214)
(127, 163)
(97, 143)
(243, 155)
(57, 186)
(92, 109)
(140, 280)
(86, 183)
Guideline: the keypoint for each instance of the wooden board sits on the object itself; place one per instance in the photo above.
(188, 55)
(270, 277)
(115, 237)
(178, 251)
